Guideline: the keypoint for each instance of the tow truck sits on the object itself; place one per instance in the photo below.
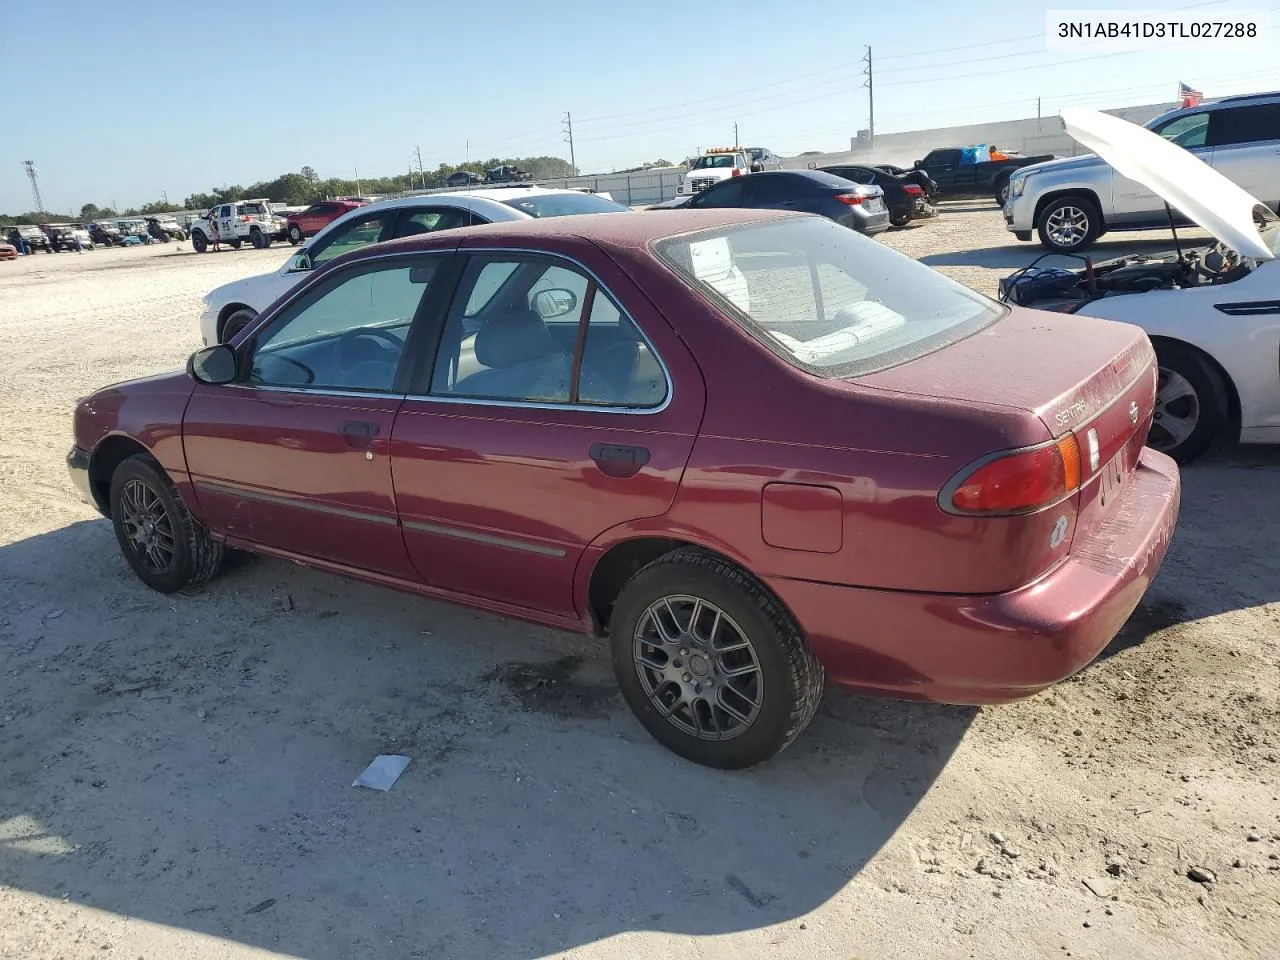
(714, 165)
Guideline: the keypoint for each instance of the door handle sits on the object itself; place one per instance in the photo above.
(359, 433)
(617, 460)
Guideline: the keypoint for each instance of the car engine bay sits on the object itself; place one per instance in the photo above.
(1065, 291)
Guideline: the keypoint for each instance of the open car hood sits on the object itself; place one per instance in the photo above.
(1178, 177)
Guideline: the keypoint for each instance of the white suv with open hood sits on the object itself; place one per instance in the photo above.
(1213, 314)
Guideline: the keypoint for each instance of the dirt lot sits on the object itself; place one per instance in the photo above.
(177, 771)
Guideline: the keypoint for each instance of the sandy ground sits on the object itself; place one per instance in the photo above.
(177, 771)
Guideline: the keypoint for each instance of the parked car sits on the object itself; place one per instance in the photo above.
(134, 227)
(961, 172)
(60, 236)
(919, 177)
(165, 228)
(32, 235)
(853, 205)
(584, 433)
(762, 158)
(316, 217)
(8, 251)
(506, 173)
(230, 307)
(104, 233)
(900, 197)
(238, 221)
(1071, 203)
(463, 178)
(1213, 315)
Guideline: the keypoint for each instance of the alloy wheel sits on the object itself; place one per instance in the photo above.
(1067, 226)
(147, 526)
(698, 667)
(1177, 411)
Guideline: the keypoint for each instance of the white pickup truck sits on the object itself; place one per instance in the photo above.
(238, 221)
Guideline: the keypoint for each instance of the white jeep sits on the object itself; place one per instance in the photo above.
(237, 222)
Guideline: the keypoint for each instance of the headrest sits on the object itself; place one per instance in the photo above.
(513, 338)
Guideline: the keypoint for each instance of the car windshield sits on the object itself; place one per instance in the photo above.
(718, 162)
(828, 300)
(565, 204)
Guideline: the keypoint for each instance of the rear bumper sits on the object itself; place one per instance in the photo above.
(994, 648)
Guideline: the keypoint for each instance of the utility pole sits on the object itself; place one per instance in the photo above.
(359, 192)
(869, 83)
(165, 194)
(1037, 114)
(35, 186)
(568, 135)
(421, 176)
(735, 134)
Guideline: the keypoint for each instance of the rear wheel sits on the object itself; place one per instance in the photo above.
(166, 547)
(712, 665)
(900, 219)
(237, 322)
(1068, 224)
(295, 234)
(235, 244)
(199, 243)
(1191, 403)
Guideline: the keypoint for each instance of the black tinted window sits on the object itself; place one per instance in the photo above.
(565, 204)
(1245, 125)
(727, 193)
(762, 189)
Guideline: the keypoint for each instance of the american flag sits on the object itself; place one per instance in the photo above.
(1190, 97)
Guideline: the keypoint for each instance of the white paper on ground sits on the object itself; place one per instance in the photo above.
(382, 773)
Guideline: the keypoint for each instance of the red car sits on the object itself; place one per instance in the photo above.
(752, 450)
(8, 251)
(316, 217)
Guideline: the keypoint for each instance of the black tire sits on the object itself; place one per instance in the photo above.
(1196, 404)
(785, 670)
(199, 242)
(234, 244)
(899, 219)
(235, 323)
(190, 554)
(259, 239)
(1085, 217)
(295, 234)
(1001, 192)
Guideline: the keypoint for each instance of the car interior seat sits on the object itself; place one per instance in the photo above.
(523, 361)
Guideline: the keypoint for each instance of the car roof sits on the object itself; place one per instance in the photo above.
(612, 230)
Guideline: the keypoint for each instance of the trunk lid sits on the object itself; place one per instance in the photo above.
(1068, 375)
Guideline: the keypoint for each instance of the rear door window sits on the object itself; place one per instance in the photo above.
(1240, 125)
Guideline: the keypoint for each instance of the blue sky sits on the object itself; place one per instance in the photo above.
(145, 96)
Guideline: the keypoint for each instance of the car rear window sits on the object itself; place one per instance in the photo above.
(830, 301)
(565, 204)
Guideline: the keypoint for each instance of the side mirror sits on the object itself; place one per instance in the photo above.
(213, 365)
(300, 262)
(554, 303)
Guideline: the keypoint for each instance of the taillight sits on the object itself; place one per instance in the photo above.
(1016, 481)
(912, 190)
(737, 172)
(852, 199)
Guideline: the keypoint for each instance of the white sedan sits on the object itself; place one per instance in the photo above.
(1213, 315)
(229, 308)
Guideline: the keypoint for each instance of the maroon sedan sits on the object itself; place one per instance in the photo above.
(308, 222)
(8, 251)
(752, 451)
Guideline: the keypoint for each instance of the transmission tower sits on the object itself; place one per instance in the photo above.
(870, 84)
(568, 136)
(35, 185)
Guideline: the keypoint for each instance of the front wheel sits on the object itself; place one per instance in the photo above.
(1191, 403)
(199, 242)
(1069, 224)
(710, 663)
(166, 547)
(234, 244)
(237, 322)
(259, 240)
(295, 234)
